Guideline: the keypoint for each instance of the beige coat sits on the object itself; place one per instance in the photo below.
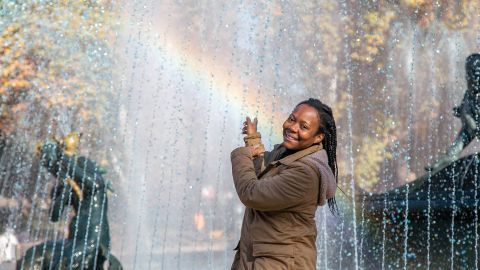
(278, 230)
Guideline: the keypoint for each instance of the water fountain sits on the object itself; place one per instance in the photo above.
(159, 90)
(447, 193)
(81, 185)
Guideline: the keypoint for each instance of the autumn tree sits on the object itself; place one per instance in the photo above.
(56, 76)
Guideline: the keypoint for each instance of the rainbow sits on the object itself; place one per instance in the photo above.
(217, 79)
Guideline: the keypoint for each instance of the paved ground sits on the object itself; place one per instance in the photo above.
(7, 266)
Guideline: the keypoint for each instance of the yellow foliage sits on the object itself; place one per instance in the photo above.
(456, 17)
(372, 153)
(415, 3)
(375, 27)
(454, 14)
(46, 58)
(319, 33)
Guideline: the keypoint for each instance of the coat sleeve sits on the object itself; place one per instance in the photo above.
(289, 188)
(258, 163)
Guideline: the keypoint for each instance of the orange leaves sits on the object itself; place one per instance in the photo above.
(16, 70)
(46, 60)
(454, 14)
(375, 27)
(16, 75)
(421, 10)
(16, 84)
(19, 107)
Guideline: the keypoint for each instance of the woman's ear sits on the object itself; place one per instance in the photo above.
(319, 138)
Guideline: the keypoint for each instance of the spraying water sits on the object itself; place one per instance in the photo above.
(160, 89)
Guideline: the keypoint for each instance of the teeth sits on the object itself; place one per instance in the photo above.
(290, 137)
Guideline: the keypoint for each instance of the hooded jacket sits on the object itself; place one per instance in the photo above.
(281, 197)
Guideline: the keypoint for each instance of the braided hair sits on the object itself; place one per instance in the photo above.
(328, 128)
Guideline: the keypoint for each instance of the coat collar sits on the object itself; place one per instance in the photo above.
(290, 158)
(299, 154)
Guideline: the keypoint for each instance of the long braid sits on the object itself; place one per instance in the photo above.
(328, 128)
(331, 148)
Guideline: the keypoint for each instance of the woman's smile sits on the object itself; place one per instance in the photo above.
(288, 137)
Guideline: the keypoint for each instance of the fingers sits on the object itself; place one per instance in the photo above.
(245, 125)
(248, 121)
(249, 126)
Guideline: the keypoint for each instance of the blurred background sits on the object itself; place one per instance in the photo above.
(159, 91)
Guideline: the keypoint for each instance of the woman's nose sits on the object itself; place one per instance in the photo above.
(294, 128)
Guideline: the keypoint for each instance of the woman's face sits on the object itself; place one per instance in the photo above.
(300, 128)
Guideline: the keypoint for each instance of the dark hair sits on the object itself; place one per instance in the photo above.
(328, 128)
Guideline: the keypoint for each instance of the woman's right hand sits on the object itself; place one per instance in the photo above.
(249, 126)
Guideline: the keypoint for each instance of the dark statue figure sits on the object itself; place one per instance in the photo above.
(436, 213)
(468, 112)
(82, 186)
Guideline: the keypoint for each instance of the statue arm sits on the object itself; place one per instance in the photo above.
(88, 174)
(59, 198)
(457, 110)
(470, 122)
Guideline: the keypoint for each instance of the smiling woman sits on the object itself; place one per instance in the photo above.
(302, 128)
(281, 189)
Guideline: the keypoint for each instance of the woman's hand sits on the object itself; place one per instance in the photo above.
(256, 150)
(253, 139)
(249, 126)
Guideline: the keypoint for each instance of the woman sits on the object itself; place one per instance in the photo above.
(282, 188)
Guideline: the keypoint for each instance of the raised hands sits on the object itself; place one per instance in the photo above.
(252, 139)
(249, 126)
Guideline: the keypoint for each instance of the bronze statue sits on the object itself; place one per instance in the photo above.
(468, 112)
(82, 186)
